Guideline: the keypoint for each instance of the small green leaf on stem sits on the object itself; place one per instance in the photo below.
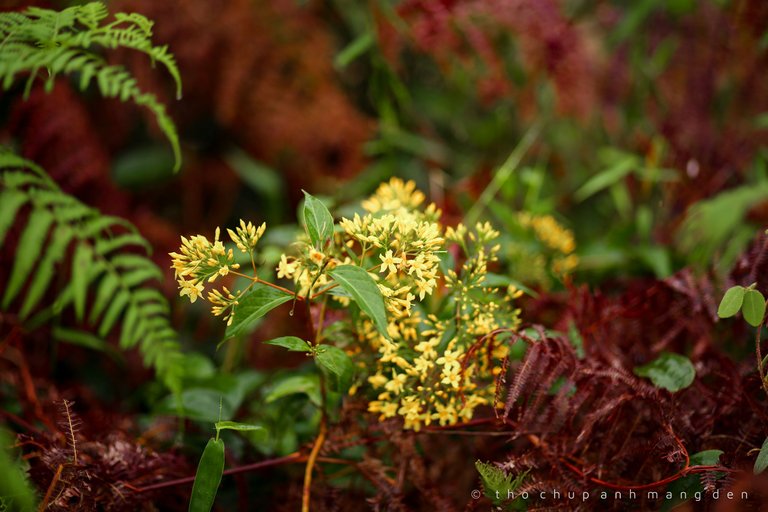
(295, 384)
(240, 427)
(732, 301)
(292, 343)
(338, 365)
(208, 477)
(318, 220)
(361, 286)
(255, 304)
(669, 371)
(753, 307)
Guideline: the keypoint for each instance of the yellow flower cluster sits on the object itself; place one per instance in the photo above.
(554, 237)
(405, 240)
(201, 261)
(394, 196)
(548, 231)
(246, 236)
(423, 374)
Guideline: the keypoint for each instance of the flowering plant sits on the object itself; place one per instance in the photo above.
(415, 308)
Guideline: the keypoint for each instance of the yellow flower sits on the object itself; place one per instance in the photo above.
(377, 380)
(450, 359)
(397, 383)
(389, 261)
(451, 376)
(316, 256)
(247, 235)
(190, 289)
(446, 414)
(286, 269)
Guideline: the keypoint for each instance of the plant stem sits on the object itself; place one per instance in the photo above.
(320, 320)
(305, 495)
(256, 279)
(759, 355)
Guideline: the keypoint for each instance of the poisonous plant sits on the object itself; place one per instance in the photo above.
(43, 43)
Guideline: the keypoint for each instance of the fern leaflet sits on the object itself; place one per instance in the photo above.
(43, 42)
(107, 257)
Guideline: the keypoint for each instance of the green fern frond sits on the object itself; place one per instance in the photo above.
(46, 43)
(108, 262)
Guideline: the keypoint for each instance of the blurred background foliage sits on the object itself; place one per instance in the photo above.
(640, 126)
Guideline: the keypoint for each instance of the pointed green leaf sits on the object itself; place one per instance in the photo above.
(128, 331)
(306, 384)
(669, 371)
(81, 272)
(10, 202)
(753, 307)
(292, 343)
(338, 366)
(45, 270)
(138, 276)
(107, 288)
(361, 286)
(762, 458)
(606, 178)
(116, 307)
(318, 220)
(208, 477)
(732, 301)
(81, 338)
(255, 304)
(240, 427)
(30, 247)
(104, 246)
(94, 227)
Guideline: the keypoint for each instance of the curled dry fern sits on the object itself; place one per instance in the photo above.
(104, 259)
(42, 41)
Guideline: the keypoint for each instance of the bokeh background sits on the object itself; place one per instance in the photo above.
(641, 126)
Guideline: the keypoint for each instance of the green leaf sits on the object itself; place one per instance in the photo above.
(116, 307)
(762, 458)
(198, 404)
(107, 288)
(497, 482)
(81, 270)
(318, 220)
(10, 202)
(753, 307)
(338, 365)
(208, 477)
(354, 50)
(240, 427)
(691, 484)
(30, 247)
(732, 301)
(306, 384)
(606, 178)
(670, 371)
(361, 286)
(45, 270)
(292, 343)
(706, 458)
(86, 340)
(15, 483)
(257, 303)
